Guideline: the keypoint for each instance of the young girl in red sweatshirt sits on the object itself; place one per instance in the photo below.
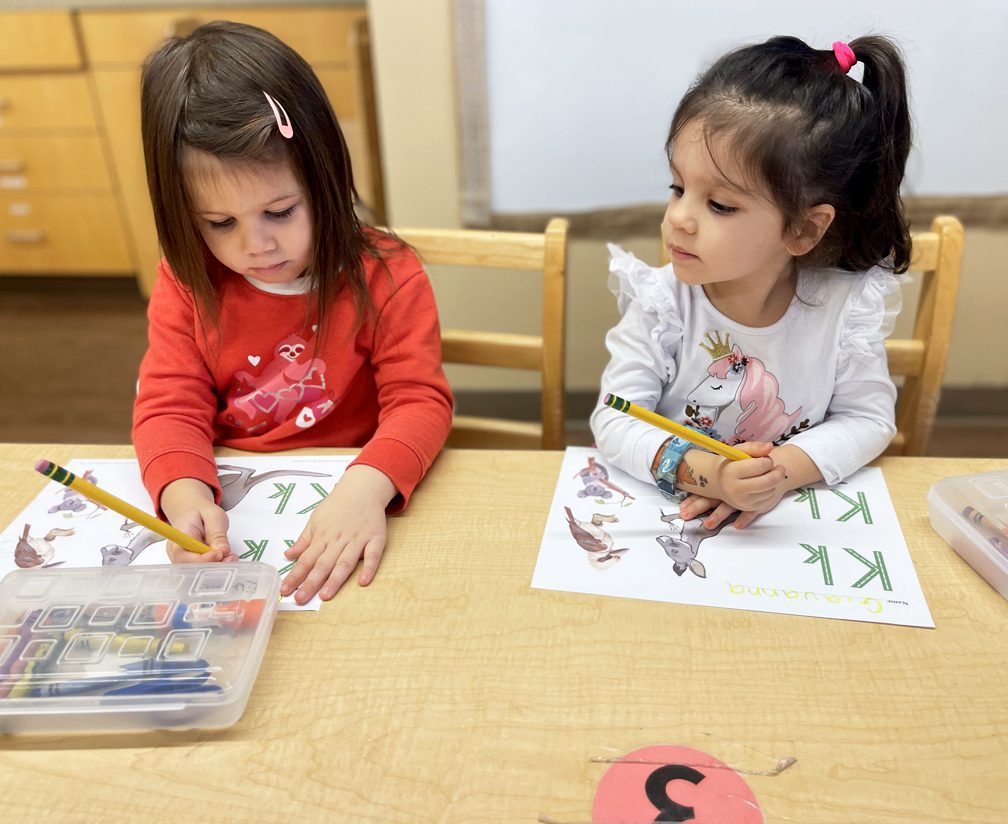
(277, 320)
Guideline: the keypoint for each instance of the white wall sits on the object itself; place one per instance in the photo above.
(581, 92)
(413, 52)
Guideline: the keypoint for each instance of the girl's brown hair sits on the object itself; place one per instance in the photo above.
(810, 134)
(204, 92)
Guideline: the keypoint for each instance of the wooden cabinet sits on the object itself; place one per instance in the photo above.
(59, 213)
(38, 40)
(70, 147)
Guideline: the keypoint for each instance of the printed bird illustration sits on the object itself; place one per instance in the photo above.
(32, 552)
(594, 540)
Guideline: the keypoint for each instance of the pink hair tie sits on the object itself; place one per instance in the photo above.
(844, 55)
(286, 129)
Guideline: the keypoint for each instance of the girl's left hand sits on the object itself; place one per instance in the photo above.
(693, 506)
(348, 524)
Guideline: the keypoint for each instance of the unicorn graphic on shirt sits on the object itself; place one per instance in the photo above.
(734, 377)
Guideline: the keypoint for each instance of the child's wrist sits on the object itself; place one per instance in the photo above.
(668, 462)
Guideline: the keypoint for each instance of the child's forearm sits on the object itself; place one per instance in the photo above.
(801, 470)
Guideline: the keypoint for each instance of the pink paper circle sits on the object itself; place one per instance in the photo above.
(666, 783)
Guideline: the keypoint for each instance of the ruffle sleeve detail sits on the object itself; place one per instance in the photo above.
(630, 279)
(871, 317)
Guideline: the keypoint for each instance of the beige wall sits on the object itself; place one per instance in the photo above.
(416, 97)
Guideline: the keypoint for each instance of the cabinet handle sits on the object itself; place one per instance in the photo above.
(10, 167)
(25, 235)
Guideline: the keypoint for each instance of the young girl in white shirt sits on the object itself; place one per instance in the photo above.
(785, 230)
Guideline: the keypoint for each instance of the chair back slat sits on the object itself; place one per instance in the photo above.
(544, 353)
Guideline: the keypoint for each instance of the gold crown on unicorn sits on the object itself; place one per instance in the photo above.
(718, 348)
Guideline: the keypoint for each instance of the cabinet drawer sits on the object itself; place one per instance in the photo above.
(45, 101)
(38, 40)
(319, 35)
(56, 161)
(62, 234)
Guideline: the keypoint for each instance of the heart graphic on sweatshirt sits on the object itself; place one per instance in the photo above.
(305, 418)
(314, 327)
(254, 359)
(264, 401)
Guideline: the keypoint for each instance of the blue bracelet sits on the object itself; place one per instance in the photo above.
(668, 463)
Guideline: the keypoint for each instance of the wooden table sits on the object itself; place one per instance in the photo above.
(451, 691)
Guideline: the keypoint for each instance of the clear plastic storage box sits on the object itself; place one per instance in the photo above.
(971, 513)
(112, 649)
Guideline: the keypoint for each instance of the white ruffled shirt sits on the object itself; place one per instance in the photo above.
(817, 378)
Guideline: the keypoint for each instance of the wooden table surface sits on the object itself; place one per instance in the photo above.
(450, 691)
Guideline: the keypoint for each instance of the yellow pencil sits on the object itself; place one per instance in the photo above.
(100, 496)
(683, 432)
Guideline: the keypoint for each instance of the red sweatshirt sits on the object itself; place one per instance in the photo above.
(258, 383)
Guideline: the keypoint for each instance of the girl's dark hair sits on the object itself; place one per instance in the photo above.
(809, 134)
(205, 92)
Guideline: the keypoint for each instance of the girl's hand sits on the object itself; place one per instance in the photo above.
(693, 506)
(754, 485)
(189, 506)
(348, 524)
(791, 467)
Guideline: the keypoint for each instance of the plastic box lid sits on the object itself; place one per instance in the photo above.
(971, 513)
(112, 649)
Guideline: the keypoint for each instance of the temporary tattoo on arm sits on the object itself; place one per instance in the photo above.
(703, 481)
(684, 473)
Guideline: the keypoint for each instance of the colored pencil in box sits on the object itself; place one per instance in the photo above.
(63, 476)
(684, 432)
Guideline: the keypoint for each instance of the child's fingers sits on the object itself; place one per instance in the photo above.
(693, 506)
(178, 555)
(752, 468)
(744, 519)
(341, 571)
(320, 562)
(299, 572)
(300, 545)
(757, 449)
(760, 486)
(215, 529)
(372, 557)
(721, 511)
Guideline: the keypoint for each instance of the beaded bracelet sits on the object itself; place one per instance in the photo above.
(668, 463)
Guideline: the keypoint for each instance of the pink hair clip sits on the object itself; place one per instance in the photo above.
(844, 55)
(286, 129)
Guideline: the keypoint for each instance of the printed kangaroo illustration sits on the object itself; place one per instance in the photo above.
(236, 482)
(684, 544)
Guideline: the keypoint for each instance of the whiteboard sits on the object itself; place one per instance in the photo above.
(580, 93)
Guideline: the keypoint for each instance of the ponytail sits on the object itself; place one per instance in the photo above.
(882, 225)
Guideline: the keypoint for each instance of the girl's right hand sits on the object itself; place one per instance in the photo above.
(189, 506)
(754, 485)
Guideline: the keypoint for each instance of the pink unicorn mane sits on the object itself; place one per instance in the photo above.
(763, 415)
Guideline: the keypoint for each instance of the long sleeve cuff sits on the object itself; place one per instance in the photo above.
(400, 462)
(170, 466)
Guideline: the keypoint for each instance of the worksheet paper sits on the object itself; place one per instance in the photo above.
(268, 500)
(830, 552)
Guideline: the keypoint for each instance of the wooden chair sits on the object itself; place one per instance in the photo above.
(546, 252)
(920, 359)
